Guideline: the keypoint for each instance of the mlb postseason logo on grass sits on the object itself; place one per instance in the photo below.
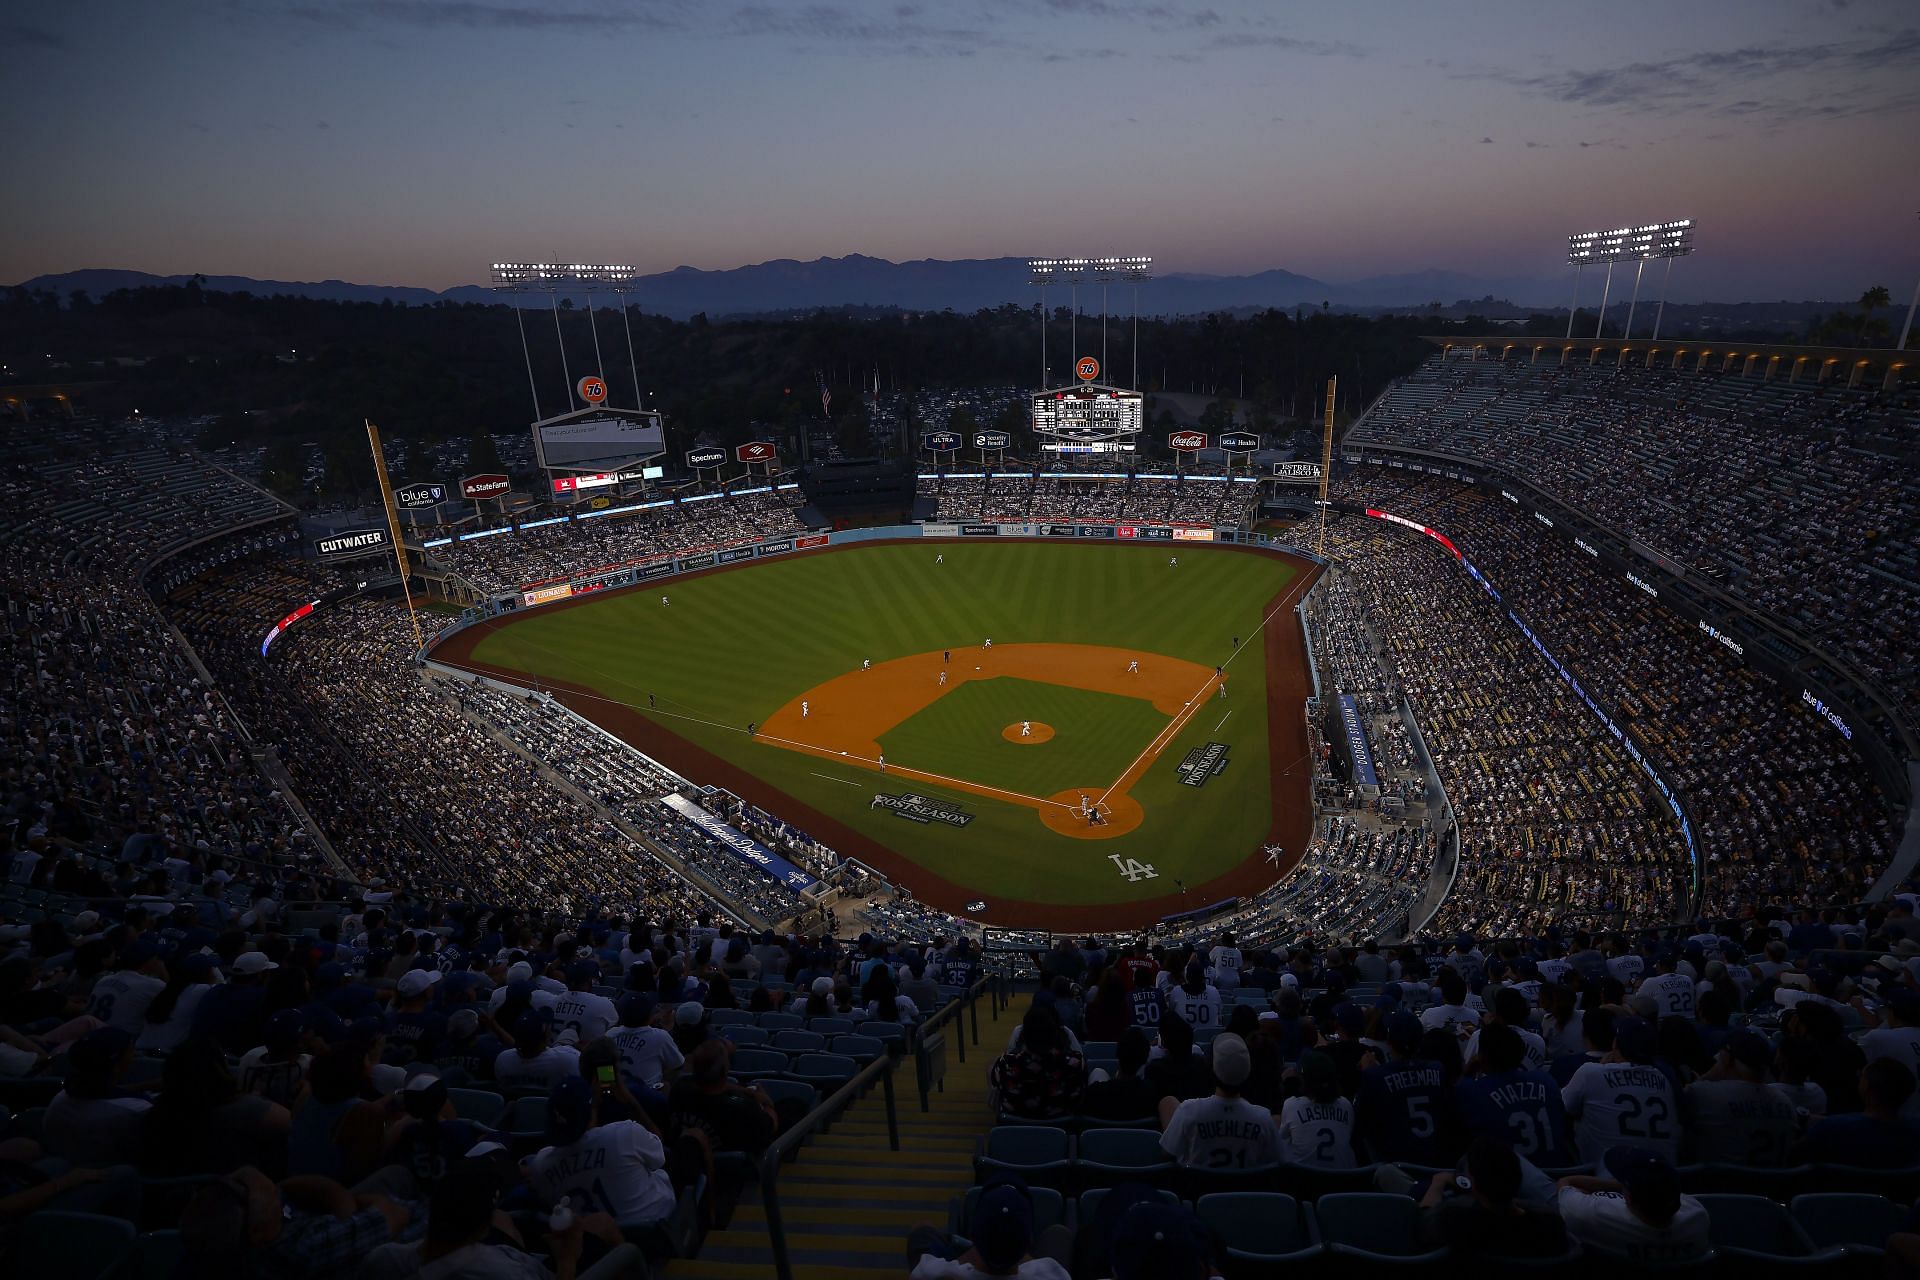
(1202, 763)
(922, 809)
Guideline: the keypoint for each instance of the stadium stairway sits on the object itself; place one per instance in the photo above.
(848, 1201)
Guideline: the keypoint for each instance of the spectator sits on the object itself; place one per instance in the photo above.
(1876, 1138)
(1636, 1213)
(1044, 1074)
(1223, 1130)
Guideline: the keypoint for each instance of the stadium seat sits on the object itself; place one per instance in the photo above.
(74, 1246)
(1734, 1179)
(862, 1049)
(1086, 1205)
(824, 1071)
(1754, 1235)
(1041, 1156)
(1306, 1183)
(1192, 1183)
(1049, 1209)
(758, 1064)
(788, 1041)
(729, 1018)
(1258, 1229)
(831, 1026)
(1375, 1228)
(746, 1035)
(525, 1123)
(1108, 1157)
(1857, 1223)
(1895, 1184)
(779, 1021)
(1100, 1049)
(892, 1032)
(482, 1106)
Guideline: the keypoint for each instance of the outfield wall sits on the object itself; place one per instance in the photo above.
(666, 568)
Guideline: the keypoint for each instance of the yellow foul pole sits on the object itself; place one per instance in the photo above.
(393, 528)
(1326, 469)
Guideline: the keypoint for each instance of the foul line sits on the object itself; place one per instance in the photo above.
(830, 778)
(1179, 722)
(1223, 720)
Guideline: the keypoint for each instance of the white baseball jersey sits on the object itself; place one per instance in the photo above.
(1222, 1133)
(1202, 1010)
(619, 1168)
(581, 1017)
(1615, 1104)
(1672, 992)
(1318, 1134)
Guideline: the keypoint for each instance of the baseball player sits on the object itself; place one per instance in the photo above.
(1026, 728)
(988, 644)
(866, 664)
(1173, 562)
(805, 710)
(943, 677)
(1133, 668)
(664, 602)
(941, 558)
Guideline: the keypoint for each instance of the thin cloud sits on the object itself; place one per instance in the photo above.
(1721, 80)
(475, 15)
(831, 25)
(1288, 44)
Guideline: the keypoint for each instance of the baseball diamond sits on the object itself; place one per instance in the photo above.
(866, 674)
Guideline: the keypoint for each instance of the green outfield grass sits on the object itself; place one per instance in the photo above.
(1096, 735)
(734, 646)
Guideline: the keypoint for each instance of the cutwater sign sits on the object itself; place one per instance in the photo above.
(744, 847)
(922, 809)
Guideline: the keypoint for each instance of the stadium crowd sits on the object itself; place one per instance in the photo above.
(1018, 498)
(1802, 499)
(506, 562)
(1781, 805)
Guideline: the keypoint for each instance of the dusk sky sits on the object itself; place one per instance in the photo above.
(413, 141)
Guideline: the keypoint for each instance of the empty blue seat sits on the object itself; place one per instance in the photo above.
(1754, 1234)
(482, 1106)
(753, 1064)
(831, 1026)
(1259, 1227)
(1040, 1155)
(1108, 1157)
(862, 1049)
(824, 1071)
(729, 1018)
(792, 1041)
(780, 1021)
(1857, 1223)
(789, 1091)
(1373, 1227)
(745, 1035)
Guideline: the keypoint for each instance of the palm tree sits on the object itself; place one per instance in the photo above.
(1871, 301)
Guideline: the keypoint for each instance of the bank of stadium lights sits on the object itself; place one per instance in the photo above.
(551, 278)
(1638, 245)
(1072, 272)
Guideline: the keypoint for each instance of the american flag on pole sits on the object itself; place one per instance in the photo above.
(826, 396)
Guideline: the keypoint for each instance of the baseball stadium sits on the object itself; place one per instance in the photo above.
(729, 857)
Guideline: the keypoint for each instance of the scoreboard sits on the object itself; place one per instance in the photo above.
(1088, 419)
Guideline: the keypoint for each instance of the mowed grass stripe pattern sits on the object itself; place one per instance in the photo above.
(733, 646)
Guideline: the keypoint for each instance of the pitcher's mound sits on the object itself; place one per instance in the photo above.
(1119, 814)
(1039, 732)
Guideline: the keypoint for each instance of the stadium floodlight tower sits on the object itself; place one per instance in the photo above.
(1071, 271)
(552, 278)
(1638, 245)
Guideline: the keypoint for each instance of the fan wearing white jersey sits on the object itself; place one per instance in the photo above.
(1222, 1130)
(1316, 1128)
(1624, 1099)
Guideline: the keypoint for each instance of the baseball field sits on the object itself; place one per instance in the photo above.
(1075, 734)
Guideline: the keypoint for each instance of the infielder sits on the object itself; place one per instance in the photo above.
(1133, 668)
(866, 664)
(1026, 728)
(943, 677)
(804, 710)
